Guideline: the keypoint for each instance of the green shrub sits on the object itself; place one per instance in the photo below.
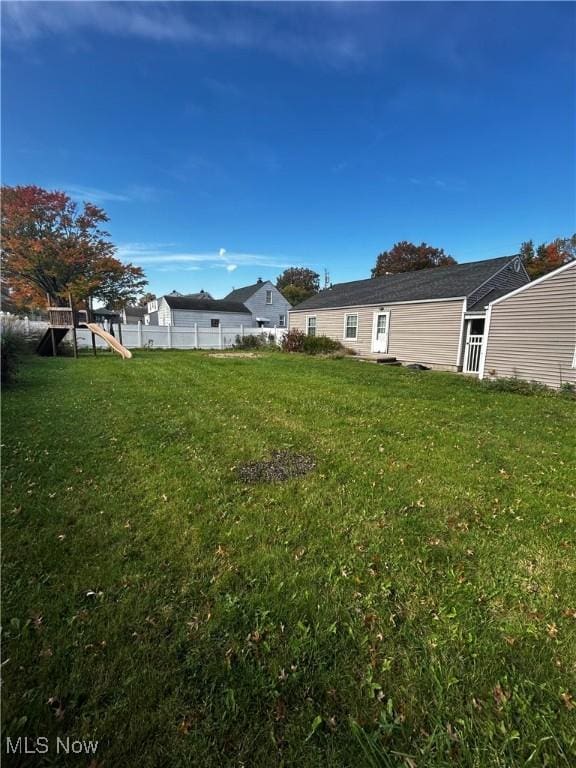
(14, 345)
(519, 386)
(320, 345)
(297, 341)
(255, 341)
(293, 341)
(568, 390)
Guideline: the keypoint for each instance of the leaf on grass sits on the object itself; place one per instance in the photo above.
(501, 696)
(185, 725)
(57, 707)
(568, 700)
(316, 723)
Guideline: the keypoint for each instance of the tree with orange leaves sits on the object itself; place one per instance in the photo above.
(548, 256)
(51, 247)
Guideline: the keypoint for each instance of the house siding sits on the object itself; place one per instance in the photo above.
(164, 313)
(257, 305)
(189, 317)
(508, 279)
(532, 335)
(422, 332)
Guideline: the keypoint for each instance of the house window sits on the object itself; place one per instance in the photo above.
(268, 297)
(282, 321)
(351, 327)
(311, 326)
(215, 323)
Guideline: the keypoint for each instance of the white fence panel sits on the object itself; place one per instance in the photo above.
(164, 336)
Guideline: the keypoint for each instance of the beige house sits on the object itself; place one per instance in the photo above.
(531, 332)
(432, 316)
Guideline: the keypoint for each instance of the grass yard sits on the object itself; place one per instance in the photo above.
(410, 602)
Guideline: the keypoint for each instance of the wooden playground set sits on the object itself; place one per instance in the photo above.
(65, 319)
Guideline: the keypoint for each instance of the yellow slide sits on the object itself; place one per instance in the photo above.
(110, 340)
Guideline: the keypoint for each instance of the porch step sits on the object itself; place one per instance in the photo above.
(380, 359)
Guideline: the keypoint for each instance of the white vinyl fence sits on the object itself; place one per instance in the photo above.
(165, 336)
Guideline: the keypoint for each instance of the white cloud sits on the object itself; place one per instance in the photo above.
(161, 255)
(222, 26)
(89, 194)
(133, 193)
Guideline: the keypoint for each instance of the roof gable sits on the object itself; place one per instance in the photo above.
(456, 281)
(243, 294)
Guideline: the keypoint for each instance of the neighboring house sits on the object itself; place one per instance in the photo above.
(200, 310)
(267, 305)
(133, 315)
(432, 316)
(531, 332)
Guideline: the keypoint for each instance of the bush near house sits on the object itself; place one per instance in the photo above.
(523, 387)
(255, 341)
(297, 341)
(408, 601)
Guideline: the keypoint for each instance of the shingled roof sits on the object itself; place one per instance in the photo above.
(205, 304)
(243, 294)
(423, 285)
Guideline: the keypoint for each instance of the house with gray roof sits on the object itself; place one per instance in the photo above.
(199, 310)
(260, 305)
(432, 316)
(268, 306)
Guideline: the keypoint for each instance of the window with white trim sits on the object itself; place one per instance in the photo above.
(351, 327)
(281, 321)
(311, 325)
(268, 297)
(215, 323)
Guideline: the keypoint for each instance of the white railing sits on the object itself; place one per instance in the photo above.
(142, 336)
(473, 351)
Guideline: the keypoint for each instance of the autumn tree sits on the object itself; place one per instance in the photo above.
(297, 284)
(408, 257)
(547, 256)
(145, 299)
(51, 247)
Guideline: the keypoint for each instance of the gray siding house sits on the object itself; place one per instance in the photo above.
(531, 332)
(267, 305)
(201, 311)
(432, 316)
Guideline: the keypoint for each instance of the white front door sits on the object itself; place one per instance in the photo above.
(380, 332)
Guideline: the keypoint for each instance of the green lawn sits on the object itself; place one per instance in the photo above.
(411, 602)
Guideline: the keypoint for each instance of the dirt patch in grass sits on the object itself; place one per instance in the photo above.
(235, 354)
(281, 466)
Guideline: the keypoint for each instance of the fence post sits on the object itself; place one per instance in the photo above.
(241, 330)
(140, 339)
(196, 335)
(220, 338)
(169, 327)
(27, 325)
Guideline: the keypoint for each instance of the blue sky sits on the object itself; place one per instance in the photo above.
(227, 141)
